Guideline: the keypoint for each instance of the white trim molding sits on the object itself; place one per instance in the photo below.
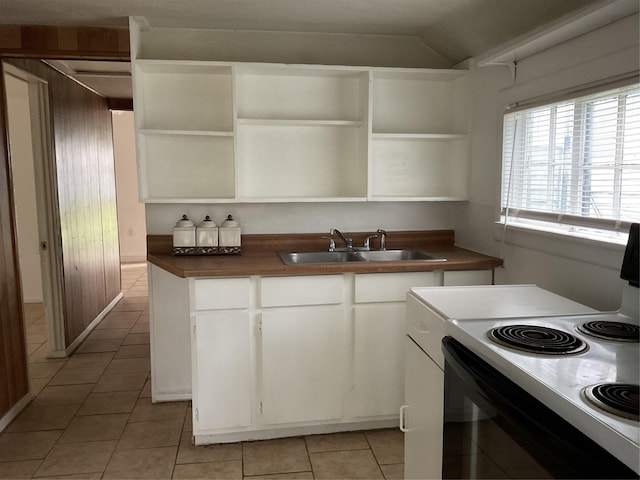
(8, 417)
(76, 343)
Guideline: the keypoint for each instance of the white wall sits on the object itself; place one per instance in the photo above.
(585, 271)
(289, 47)
(131, 215)
(22, 170)
(309, 217)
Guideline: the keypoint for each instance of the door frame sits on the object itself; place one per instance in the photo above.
(49, 230)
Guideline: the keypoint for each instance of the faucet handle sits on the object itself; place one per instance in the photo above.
(332, 243)
(383, 238)
(366, 241)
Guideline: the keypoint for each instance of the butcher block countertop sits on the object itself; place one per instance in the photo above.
(260, 255)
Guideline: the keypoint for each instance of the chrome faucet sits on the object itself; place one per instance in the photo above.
(367, 242)
(383, 239)
(332, 244)
(347, 241)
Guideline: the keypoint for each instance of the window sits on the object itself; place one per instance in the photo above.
(574, 164)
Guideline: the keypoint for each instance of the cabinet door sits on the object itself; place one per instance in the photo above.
(222, 371)
(423, 415)
(378, 359)
(303, 364)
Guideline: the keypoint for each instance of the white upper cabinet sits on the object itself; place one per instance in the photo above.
(245, 132)
(185, 130)
(302, 133)
(418, 142)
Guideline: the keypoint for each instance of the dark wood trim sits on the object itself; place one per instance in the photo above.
(124, 104)
(41, 41)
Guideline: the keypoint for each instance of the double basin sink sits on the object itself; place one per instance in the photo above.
(308, 258)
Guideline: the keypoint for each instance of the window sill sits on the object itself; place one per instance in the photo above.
(603, 252)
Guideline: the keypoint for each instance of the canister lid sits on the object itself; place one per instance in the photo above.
(207, 223)
(230, 222)
(184, 222)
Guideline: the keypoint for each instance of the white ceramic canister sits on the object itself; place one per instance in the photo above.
(207, 233)
(184, 233)
(229, 233)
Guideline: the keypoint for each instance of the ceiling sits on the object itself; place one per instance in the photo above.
(456, 29)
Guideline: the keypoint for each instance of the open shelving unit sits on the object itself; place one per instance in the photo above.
(301, 162)
(301, 133)
(212, 131)
(417, 149)
(185, 130)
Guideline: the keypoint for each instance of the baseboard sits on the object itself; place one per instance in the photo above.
(79, 339)
(14, 411)
(133, 259)
(33, 300)
(176, 396)
(267, 433)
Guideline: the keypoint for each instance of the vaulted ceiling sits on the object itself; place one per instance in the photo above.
(457, 29)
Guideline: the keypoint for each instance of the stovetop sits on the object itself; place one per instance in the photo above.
(559, 381)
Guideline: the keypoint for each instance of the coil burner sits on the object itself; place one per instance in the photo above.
(621, 399)
(609, 330)
(537, 339)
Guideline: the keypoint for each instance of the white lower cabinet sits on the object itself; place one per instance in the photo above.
(423, 414)
(292, 355)
(303, 363)
(222, 373)
(378, 359)
(379, 331)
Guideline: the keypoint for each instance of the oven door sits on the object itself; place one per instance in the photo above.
(495, 429)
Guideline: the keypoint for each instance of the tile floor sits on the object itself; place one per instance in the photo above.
(92, 417)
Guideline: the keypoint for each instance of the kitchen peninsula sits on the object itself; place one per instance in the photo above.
(266, 349)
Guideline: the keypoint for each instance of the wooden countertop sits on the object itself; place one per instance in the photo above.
(260, 257)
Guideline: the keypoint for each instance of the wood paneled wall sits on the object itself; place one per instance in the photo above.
(14, 383)
(99, 265)
(84, 160)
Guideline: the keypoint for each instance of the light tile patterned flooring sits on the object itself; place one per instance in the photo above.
(92, 417)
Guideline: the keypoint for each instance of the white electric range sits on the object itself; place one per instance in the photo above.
(561, 381)
(513, 413)
(429, 313)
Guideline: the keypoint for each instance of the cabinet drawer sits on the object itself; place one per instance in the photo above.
(468, 277)
(311, 290)
(221, 293)
(390, 287)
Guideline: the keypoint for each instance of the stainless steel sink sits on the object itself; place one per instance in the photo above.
(306, 258)
(398, 256)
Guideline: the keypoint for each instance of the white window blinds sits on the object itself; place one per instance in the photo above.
(575, 162)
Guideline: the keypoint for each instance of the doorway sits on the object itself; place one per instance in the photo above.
(132, 230)
(35, 211)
